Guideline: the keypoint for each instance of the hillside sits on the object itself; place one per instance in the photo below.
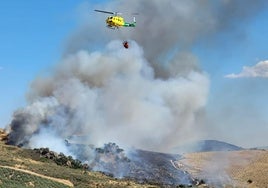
(24, 168)
(140, 165)
(29, 168)
(245, 168)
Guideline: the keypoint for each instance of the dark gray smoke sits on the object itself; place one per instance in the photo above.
(149, 96)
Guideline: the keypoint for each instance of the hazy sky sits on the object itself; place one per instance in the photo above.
(33, 36)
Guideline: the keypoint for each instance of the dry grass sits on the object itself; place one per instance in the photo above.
(255, 174)
(246, 168)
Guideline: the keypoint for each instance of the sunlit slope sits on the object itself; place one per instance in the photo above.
(245, 168)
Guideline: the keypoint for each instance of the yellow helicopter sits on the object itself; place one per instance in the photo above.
(117, 21)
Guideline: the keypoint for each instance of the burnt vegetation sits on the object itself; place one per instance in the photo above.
(141, 166)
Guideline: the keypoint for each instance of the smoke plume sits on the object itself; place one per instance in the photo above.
(111, 96)
(148, 96)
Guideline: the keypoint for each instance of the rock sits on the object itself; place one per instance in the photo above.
(3, 135)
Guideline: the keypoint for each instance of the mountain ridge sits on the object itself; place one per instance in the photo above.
(206, 146)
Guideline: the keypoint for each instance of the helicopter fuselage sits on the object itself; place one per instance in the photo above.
(118, 21)
(115, 21)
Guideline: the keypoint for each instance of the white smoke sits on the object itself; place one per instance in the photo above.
(112, 95)
(47, 138)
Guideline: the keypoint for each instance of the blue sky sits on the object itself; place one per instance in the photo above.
(33, 34)
(240, 100)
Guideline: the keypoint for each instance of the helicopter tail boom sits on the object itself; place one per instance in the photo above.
(133, 24)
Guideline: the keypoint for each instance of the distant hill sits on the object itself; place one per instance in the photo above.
(207, 145)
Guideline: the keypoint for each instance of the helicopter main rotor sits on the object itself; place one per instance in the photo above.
(107, 12)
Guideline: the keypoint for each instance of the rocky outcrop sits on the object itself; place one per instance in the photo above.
(3, 135)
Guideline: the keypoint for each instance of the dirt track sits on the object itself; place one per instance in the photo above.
(66, 182)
